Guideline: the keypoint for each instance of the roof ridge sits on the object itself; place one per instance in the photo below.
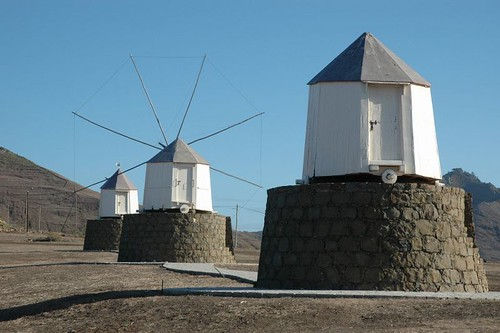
(391, 55)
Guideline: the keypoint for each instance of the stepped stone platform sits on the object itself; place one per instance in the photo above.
(201, 237)
(370, 236)
(102, 235)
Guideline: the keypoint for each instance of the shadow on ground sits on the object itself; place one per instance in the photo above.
(68, 301)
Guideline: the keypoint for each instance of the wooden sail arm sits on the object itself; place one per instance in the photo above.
(115, 131)
(226, 128)
(192, 95)
(236, 177)
(149, 99)
(102, 181)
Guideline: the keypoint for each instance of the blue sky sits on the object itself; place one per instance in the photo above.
(56, 54)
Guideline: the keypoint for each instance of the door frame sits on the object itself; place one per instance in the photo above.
(176, 182)
(372, 163)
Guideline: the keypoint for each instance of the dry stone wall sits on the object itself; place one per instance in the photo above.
(369, 236)
(174, 237)
(102, 235)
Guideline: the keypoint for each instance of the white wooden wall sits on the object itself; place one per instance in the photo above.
(333, 140)
(426, 151)
(158, 186)
(338, 130)
(107, 203)
(203, 188)
(133, 202)
(161, 182)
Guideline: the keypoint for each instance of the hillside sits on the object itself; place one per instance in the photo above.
(486, 206)
(51, 200)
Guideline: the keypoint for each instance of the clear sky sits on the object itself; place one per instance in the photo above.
(56, 54)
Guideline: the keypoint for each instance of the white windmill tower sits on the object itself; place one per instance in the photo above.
(118, 196)
(370, 114)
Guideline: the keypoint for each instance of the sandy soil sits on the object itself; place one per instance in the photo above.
(109, 298)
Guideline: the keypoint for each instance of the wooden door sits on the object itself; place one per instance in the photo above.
(121, 203)
(183, 183)
(385, 137)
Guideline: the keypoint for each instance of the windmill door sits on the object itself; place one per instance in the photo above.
(385, 126)
(183, 183)
(121, 203)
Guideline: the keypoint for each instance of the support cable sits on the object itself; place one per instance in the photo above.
(149, 99)
(192, 95)
(102, 181)
(101, 86)
(236, 177)
(116, 132)
(226, 128)
(233, 86)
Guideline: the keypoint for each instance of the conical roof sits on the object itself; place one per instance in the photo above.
(368, 59)
(179, 152)
(118, 182)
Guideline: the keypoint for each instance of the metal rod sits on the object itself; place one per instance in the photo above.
(116, 132)
(236, 177)
(76, 208)
(236, 234)
(149, 99)
(27, 217)
(226, 128)
(192, 95)
(102, 181)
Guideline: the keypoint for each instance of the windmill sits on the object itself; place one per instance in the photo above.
(177, 177)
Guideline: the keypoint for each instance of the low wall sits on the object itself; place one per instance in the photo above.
(102, 235)
(174, 237)
(409, 237)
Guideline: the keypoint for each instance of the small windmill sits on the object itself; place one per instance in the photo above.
(177, 177)
(118, 196)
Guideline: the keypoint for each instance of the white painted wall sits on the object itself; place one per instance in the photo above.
(425, 149)
(203, 188)
(338, 135)
(160, 188)
(333, 140)
(133, 202)
(107, 203)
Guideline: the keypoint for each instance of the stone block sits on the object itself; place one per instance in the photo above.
(324, 260)
(425, 227)
(348, 212)
(357, 227)
(431, 244)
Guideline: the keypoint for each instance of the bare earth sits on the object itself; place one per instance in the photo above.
(112, 298)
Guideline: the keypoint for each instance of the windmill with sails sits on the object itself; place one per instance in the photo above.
(177, 177)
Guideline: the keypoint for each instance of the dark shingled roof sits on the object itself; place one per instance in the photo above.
(367, 59)
(118, 182)
(179, 152)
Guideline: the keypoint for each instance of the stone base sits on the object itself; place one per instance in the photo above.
(175, 237)
(102, 235)
(370, 236)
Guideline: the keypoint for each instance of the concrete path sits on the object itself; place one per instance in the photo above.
(251, 277)
(210, 269)
(268, 293)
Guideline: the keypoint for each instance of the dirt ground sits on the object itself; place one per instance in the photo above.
(109, 298)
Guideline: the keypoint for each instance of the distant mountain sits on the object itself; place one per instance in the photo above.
(249, 240)
(486, 206)
(51, 202)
